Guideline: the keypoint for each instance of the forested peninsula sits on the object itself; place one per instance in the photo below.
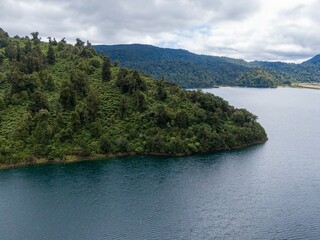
(61, 102)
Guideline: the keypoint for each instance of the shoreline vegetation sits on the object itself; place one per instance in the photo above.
(63, 101)
(306, 85)
(105, 157)
(315, 86)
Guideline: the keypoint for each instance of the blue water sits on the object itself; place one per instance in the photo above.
(270, 191)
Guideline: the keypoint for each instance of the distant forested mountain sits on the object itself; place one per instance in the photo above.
(291, 72)
(314, 60)
(179, 66)
(195, 71)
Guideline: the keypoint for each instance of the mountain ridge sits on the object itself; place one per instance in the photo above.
(191, 70)
(313, 60)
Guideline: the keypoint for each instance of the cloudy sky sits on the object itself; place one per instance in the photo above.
(287, 30)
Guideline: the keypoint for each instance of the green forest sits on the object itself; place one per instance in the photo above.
(59, 100)
(191, 70)
(257, 79)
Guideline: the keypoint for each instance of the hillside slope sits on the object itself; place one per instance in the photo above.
(257, 79)
(190, 70)
(187, 69)
(59, 100)
(314, 60)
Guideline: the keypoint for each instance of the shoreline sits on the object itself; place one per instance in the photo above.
(103, 157)
(306, 86)
(298, 85)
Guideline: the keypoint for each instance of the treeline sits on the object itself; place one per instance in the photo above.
(58, 99)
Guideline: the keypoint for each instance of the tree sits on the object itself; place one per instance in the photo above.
(162, 117)
(242, 116)
(3, 104)
(161, 93)
(67, 96)
(38, 101)
(43, 130)
(140, 101)
(4, 38)
(11, 51)
(138, 82)
(1, 59)
(106, 69)
(62, 44)
(19, 53)
(79, 43)
(123, 107)
(54, 42)
(25, 127)
(27, 47)
(182, 119)
(51, 58)
(21, 82)
(47, 81)
(96, 128)
(33, 61)
(75, 121)
(123, 81)
(79, 82)
(3, 34)
(105, 143)
(122, 144)
(35, 37)
(93, 103)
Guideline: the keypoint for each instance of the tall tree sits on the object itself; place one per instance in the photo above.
(161, 93)
(93, 103)
(3, 34)
(51, 58)
(79, 82)
(38, 101)
(67, 96)
(35, 37)
(79, 42)
(106, 69)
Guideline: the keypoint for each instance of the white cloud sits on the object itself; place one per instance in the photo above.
(250, 29)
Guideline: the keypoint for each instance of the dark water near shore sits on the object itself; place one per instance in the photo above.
(270, 191)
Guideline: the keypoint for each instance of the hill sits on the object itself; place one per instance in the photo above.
(314, 60)
(291, 72)
(60, 102)
(187, 69)
(257, 79)
(190, 70)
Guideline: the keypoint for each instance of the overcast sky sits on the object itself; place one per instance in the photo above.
(287, 30)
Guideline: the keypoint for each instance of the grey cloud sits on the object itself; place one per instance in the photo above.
(177, 23)
(141, 16)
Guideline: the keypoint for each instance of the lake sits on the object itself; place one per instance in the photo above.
(269, 191)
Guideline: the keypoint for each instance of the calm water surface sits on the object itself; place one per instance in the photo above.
(270, 191)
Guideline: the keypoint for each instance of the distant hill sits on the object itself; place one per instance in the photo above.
(195, 71)
(291, 72)
(314, 60)
(179, 66)
(257, 79)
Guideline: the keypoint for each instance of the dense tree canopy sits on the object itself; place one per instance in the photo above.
(59, 100)
(257, 78)
(190, 70)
